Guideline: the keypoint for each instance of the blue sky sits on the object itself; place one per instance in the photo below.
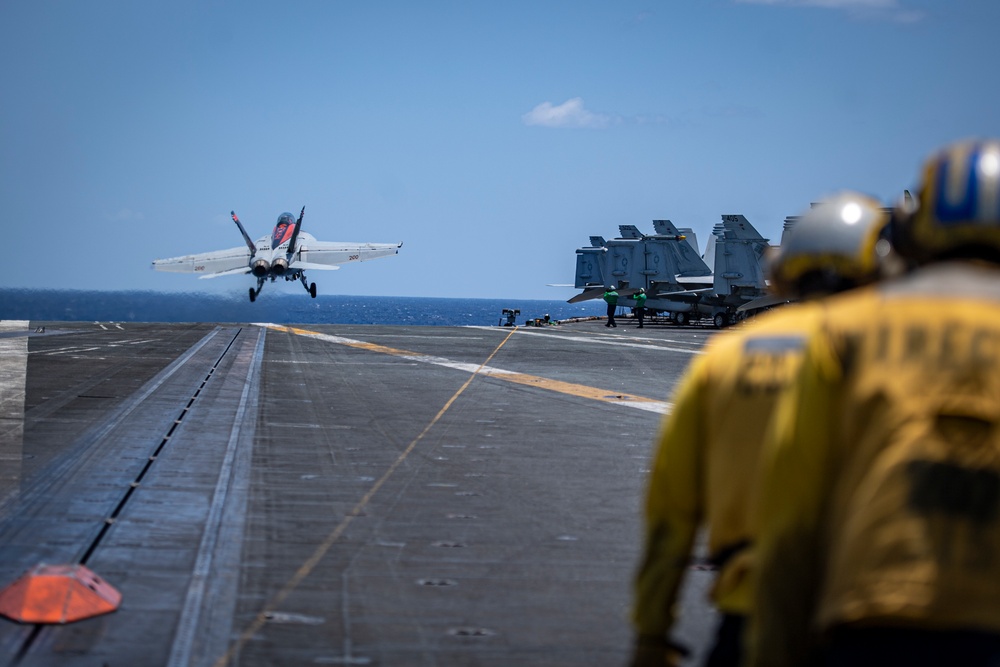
(492, 138)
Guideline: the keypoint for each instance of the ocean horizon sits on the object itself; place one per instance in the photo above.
(148, 306)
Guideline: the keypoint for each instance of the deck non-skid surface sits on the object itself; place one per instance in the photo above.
(265, 495)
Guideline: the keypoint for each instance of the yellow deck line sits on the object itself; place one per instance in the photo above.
(569, 388)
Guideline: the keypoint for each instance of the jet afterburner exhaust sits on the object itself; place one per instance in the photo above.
(260, 267)
(279, 266)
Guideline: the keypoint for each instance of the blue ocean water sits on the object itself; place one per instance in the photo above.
(78, 305)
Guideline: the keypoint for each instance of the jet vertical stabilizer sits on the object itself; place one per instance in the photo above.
(709, 256)
(295, 233)
(629, 232)
(665, 228)
(691, 238)
(740, 228)
(625, 262)
(789, 223)
(739, 251)
(590, 267)
(685, 252)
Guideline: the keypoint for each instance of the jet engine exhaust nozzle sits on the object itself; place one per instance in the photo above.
(279, 266)
(260, 268)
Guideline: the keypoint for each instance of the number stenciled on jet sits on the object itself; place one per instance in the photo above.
(353, 257)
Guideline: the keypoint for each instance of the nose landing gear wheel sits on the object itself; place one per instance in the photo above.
(681, 318)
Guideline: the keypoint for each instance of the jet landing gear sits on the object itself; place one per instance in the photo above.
(311, 287)
(255, 292)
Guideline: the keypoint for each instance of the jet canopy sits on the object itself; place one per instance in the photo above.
(283, 229)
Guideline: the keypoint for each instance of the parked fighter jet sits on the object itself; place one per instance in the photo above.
(675, 278)
(286, 253)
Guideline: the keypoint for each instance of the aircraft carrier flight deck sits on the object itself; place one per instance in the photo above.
(336, 494)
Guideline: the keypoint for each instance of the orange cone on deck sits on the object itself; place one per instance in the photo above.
(58, 594)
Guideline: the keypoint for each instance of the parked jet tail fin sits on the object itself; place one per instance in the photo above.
(246, 237)
(590, 267)
(690, 237)
(909, 203)
(665, 228)
(790, 222)
(739, 252)
(739, 227)
(629, 232)
(709, 256)
(597, 242)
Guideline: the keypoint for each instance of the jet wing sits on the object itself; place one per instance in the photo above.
(311, 266)
(316, 254)
(243, 270)
(208, 263)
(586, 295)
(598, 292)
(763, 302)
(687, 296)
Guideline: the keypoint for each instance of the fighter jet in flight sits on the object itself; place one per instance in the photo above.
(286, 253)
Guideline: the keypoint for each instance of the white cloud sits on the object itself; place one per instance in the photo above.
(568, 114)
(890, 10)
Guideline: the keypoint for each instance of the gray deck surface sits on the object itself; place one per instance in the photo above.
(336, 495)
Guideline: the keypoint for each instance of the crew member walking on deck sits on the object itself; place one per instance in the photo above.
(709, 445)
(611, 296)
(640, 305)
(878, 539)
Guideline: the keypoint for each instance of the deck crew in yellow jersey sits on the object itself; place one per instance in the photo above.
(879, 516)
(708, 447)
